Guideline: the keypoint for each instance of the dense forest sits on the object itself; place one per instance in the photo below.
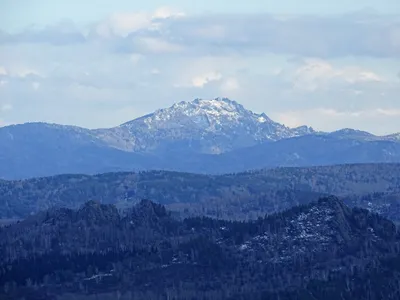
(241, 196)
(322, 250)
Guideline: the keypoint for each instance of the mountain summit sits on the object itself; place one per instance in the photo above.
(205, 125)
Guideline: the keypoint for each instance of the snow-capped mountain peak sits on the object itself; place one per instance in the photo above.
(204, 113)
(218, 107)
(209, 125)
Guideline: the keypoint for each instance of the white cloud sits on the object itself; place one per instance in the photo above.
(230, 84)
(158, 45)
(355, 75)
(18, 70)
(3, 71)
(388, 112)
(6, 107)
(311, 36)
(135, 58)
(89, 93)
(201, 80)
(25, 72)
(35, 85)
(290, 119)
(319, 74)
(124, 23)
(211, 31)
(167, 12)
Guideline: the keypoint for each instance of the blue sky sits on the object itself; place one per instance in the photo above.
(16, 14)
(328, 64)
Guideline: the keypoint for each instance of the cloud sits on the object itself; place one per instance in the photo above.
(18, 70)
(157, 45)
(3, 71)
(329, 36)
(155, 71)
(301, 70)
(388, 112)
(368, 35)
(210, 31)
(6, 107)
(316, 74)
(230, 85)
(60, 34)
(135, 58)
(202, 80)
(124, 23)
(35, 85)
(167, 13)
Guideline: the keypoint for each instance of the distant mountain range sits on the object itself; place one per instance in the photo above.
(204, 136)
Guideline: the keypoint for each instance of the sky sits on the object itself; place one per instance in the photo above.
(97, 64)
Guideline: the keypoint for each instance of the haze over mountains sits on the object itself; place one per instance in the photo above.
(202, 136)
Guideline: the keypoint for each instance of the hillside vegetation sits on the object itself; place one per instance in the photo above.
(232, 196)
(323, 250)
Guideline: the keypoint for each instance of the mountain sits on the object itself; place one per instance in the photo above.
(202, 136)
(40, 149)
(206, 126)
(234, 196)
(323, 250)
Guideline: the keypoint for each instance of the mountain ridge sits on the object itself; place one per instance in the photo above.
(212, 111)
(202, 136)
(211, 107)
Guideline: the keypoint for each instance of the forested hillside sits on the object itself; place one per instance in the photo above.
(233, 196)
(323, 248)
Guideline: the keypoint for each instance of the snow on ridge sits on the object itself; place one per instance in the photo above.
(218, 111)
